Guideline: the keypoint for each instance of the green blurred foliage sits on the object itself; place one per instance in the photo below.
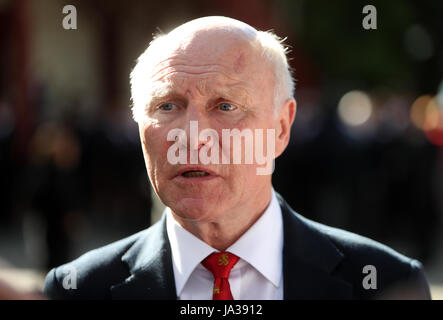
(332, 34)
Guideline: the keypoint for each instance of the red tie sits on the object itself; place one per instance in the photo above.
(220, 264)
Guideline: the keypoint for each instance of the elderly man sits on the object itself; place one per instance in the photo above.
(226, 234)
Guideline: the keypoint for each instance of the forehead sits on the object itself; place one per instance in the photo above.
(233, 60)
(222, 57)
(210, 85)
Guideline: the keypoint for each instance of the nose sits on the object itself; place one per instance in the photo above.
(196, 120)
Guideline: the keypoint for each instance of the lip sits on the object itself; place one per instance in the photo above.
(183, 170)
(180, 178)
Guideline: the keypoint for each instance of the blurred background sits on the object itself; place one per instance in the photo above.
(366, 152)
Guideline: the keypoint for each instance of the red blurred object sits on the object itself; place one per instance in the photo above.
(435, 136)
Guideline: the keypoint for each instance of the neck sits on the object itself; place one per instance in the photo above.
(225, 231)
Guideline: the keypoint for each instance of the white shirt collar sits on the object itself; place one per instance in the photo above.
(188, 251)
(260, 246)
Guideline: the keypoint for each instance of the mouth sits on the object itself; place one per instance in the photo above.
(195, 174)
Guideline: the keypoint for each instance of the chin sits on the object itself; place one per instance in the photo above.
(195, 209)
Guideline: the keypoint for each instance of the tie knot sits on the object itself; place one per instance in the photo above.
(220, 264)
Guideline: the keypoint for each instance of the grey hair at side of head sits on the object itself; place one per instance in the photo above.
(275, 53)
(272, 49)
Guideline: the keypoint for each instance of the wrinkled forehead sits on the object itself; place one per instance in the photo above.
(229, 49)
(217, 47)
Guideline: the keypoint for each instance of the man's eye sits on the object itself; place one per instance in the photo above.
(167, 106)
(226, 107)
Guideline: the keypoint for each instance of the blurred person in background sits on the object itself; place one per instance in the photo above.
(226, 234)
(18, 284)
(8, 292)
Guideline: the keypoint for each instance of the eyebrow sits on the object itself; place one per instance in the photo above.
(236, 91)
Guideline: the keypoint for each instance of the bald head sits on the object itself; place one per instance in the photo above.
(214, 41)
(214, 23)
(217, 41)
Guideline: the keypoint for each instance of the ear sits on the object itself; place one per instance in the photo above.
(283, 125)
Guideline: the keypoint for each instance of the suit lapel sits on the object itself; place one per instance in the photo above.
(309, 259)
(150, 265)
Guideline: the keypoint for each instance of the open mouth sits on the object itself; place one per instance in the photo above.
(195, 174)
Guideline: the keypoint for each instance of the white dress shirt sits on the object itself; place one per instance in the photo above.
(256, 276)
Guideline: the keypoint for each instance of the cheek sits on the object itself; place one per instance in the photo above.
(242, 176)
(154, 141)
(154, 148)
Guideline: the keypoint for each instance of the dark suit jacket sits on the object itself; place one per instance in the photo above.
(319, 262)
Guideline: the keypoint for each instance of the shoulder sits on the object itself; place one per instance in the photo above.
(393, 274)
(91, 275)
(359, 247)
(372, 269)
